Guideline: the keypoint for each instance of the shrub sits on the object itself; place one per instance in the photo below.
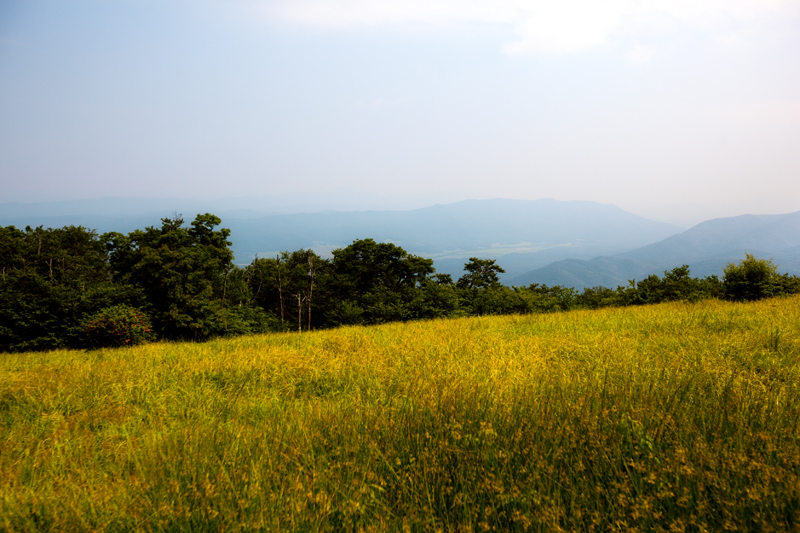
(345, 313)
(751, 279)
(119, 325)
(788, 284)
(244, 320)
(597, 297)
(676, 285)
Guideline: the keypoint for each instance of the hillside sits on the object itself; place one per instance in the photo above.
(650, 417)
(706, 248)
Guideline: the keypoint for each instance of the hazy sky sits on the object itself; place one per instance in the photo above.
(619, 101)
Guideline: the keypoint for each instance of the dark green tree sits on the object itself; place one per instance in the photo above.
(265, 279)
(481, 274)
(435, 299)
(50, 281)
(287, 288)
(443, 279)
(372, 282)
(184, 274)
(503, 300)
(549, 299)
(597, 297)
(677, 284)
(751, 279)
(302, 268)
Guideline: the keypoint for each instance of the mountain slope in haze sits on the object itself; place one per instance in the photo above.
(514, 230)
(769, 233)
(520, 234)
(338, 199)
(468, 225)
(706, 248)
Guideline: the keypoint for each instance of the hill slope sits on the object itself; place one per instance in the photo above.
(527, 422)
(706, 248)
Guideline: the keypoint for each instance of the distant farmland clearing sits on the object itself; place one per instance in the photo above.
(676, 416)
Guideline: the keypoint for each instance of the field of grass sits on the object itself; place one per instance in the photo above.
(676, 417)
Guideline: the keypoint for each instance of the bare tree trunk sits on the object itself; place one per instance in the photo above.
(310, 288)
(280, 288)
(299, 312)
(310, 291)
(253, 270)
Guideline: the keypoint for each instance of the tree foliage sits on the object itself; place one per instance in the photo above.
(50, 281)
(69, 287)
(481, 274)
(751, 279)
(184, 274)
(677, 284)
(372, 283)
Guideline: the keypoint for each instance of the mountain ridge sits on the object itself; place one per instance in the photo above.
(527, 233)
(706, 248)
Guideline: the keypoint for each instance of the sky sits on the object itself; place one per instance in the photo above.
(658, 106)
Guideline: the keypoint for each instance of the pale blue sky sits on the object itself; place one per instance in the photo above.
(619, 101)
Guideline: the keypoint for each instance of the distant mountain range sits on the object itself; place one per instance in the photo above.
(341, 199)
(706, 248)
(497, 228)
(574, 244)
(521, 234)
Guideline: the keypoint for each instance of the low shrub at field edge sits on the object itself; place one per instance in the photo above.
(119, 325)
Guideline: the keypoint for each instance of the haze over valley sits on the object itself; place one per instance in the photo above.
(572, 244)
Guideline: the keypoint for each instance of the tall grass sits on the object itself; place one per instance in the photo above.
(676, 417)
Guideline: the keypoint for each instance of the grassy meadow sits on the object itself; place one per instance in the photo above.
(674, 417)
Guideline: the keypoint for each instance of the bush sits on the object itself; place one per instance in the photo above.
(119, 325)
(597, 297)
(788, 284)
(244, 320)
(751, 279)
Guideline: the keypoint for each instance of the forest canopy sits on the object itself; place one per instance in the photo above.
(70, 287)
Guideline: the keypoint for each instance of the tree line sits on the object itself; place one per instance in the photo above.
(72, 288)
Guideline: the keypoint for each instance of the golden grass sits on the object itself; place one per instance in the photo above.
(676, 417)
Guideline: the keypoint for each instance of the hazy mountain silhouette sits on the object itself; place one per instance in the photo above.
(706, 248)
(520, 234)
